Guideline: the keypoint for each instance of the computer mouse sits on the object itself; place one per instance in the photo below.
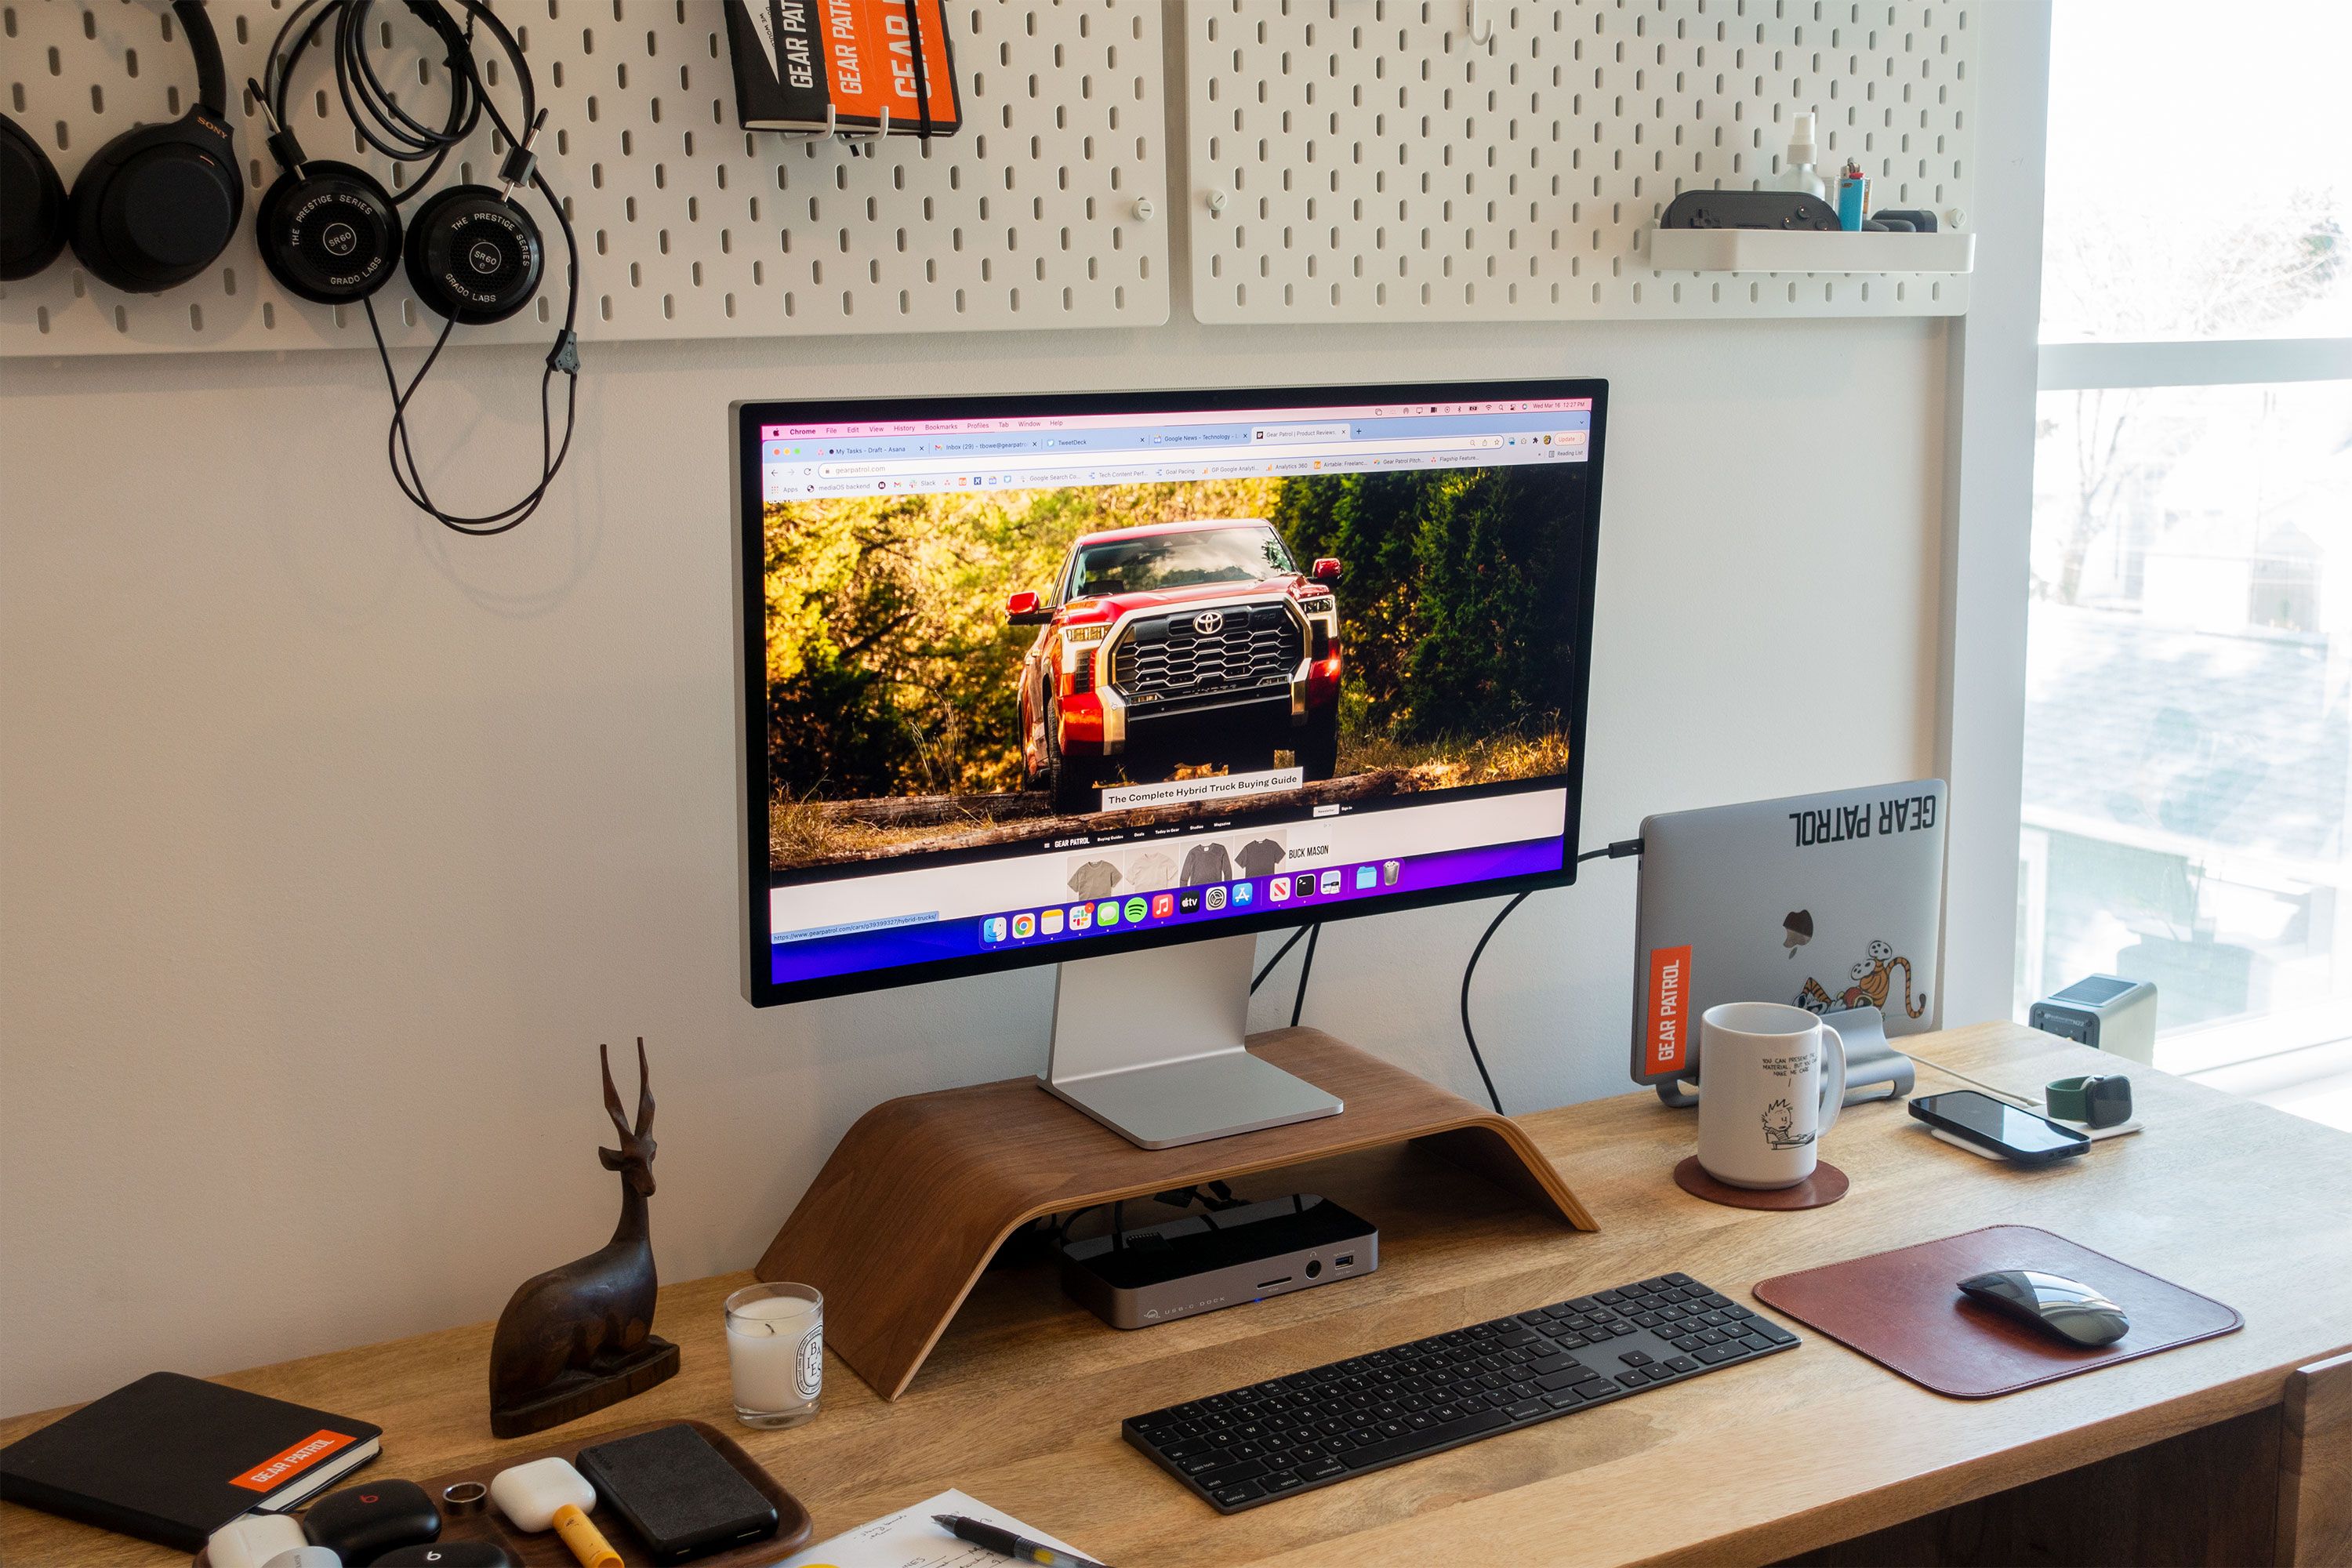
(2061, 1308)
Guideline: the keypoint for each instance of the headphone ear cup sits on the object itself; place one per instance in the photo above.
(32, 204)
(156, 206)
(332, 234)
(473, 254)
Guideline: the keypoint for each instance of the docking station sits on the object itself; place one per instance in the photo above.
(1155, 1274)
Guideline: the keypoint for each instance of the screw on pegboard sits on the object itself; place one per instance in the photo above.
(1217, 200)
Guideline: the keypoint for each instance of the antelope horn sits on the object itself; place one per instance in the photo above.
(612, 1095)
(645, 1092)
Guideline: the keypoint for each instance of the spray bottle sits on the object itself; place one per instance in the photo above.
(1797, 171)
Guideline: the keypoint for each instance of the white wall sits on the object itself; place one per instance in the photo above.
(330, 846)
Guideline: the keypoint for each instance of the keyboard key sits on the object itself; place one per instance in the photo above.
(1678, 1279)
(1634, 1378)
(1635, 1358)
(1323, 1471)
(1436, 1436)
(1756, 1341)
(1715, 1355)
(1287, 1481)
(1560, 1380)
(1523, 1410)
(1234, 1496)
(1682, 1363)
(1216, 1480)
(1562, 1398)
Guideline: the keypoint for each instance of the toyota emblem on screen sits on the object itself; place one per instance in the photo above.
(1209, 622)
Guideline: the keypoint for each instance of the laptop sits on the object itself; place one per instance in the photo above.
(1832, 902)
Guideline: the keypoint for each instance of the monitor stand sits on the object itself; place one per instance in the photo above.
(1149, 1044)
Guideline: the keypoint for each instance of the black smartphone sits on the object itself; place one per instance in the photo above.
(677, 1492)
(1989, 1123)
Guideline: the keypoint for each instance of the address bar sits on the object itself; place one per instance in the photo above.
(1128, 457)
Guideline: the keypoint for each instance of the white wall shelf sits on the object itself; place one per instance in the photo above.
(1809, 251)
(1389, 159)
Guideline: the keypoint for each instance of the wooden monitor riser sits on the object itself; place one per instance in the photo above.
(922, 1191)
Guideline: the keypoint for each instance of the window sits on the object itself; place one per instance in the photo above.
(2188, 701)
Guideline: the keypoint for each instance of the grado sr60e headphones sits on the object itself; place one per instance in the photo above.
(331, 232)
(150, 209)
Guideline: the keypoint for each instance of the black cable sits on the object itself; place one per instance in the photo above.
(1279, 955)
(1306, 967)
(1467, 970)
(1617, 851)
(401, 136)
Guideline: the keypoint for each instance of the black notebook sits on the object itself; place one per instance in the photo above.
(172, 1458)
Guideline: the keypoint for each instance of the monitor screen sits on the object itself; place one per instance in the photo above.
(1036, 678)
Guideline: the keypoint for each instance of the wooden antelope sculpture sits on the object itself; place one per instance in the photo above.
(578, 1338)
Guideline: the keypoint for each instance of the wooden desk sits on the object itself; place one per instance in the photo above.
(1020, 1405)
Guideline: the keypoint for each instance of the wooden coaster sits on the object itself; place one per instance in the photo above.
(1825, 1187)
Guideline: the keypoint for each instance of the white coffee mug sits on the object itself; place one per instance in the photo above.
(1771, 1078)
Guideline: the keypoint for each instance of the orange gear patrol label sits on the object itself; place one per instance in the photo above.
(278, 1468)
(1670, 1026)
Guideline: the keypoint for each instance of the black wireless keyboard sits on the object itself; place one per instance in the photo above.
(1253, 1445)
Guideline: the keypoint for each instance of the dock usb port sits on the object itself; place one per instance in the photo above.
(1345, 1260)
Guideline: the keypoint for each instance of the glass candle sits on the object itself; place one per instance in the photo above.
(775, 1352)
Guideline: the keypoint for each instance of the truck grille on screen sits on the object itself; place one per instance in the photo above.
(1205, 653)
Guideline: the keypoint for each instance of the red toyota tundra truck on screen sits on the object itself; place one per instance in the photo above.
(1182, 643)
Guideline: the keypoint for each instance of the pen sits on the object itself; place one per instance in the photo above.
(981, 1533)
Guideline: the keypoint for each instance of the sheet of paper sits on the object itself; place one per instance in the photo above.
(908, 1538)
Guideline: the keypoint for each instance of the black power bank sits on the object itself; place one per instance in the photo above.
(677, 1492)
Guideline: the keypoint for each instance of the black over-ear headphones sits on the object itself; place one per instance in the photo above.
(156, 206)
(331, 232)
(32, 204)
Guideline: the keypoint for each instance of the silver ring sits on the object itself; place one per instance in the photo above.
(464, 1497)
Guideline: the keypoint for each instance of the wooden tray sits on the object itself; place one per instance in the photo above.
(546, 1549)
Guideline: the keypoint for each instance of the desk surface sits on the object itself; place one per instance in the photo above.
(1020, 1405)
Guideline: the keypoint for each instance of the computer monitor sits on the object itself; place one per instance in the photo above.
(1116, 682)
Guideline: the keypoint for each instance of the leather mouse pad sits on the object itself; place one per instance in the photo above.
(1904, 1310)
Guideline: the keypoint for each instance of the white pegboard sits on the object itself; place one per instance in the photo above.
(689, 225)
(1367, 160)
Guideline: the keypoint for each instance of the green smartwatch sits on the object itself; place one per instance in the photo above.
(2103, 1099)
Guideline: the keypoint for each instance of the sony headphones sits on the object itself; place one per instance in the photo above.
(150, 209)
(32, 204)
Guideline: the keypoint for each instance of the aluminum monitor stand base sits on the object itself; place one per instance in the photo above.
(1149, 1044)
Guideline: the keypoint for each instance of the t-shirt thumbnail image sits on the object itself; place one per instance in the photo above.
(1149, 871)
(1093, 879)
(1206, 863)
(1259, 857)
